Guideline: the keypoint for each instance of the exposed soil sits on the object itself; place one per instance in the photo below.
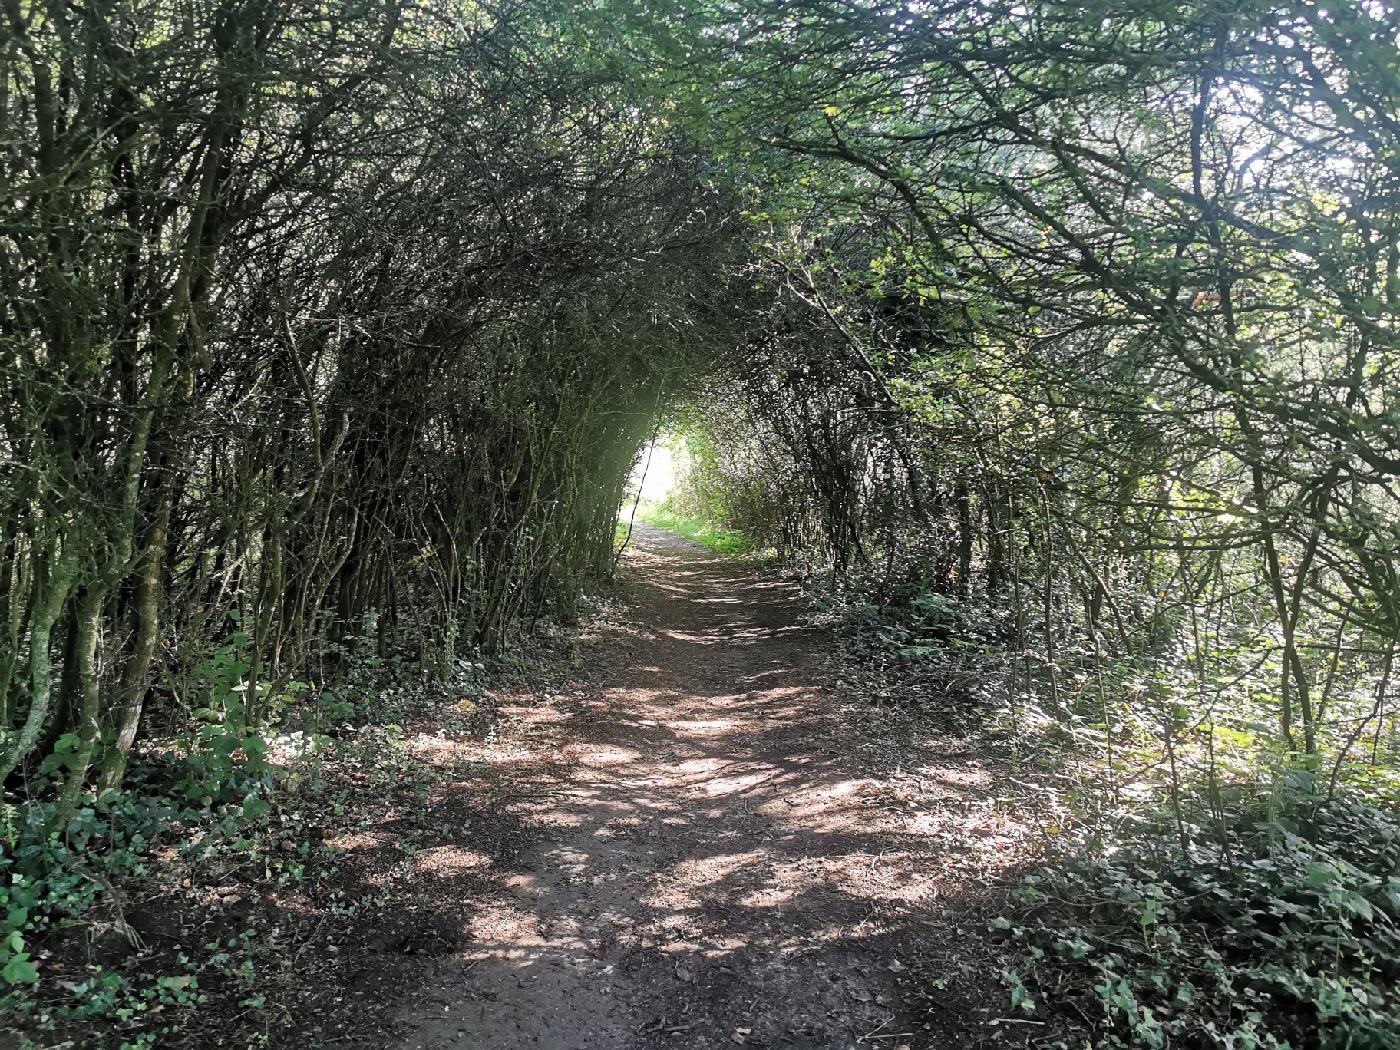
(691, 840)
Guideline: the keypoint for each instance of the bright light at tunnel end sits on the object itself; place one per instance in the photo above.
(655, 473)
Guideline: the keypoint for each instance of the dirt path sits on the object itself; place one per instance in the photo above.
(709, 858)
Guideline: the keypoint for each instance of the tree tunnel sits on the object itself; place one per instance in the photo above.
(1053, 338)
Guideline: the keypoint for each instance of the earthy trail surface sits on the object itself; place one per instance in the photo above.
(706, 852)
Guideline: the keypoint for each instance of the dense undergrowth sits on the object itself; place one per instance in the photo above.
(195, 907)
(1177, 901)
(1268, 922)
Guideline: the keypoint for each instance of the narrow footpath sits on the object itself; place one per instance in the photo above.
(710, 857)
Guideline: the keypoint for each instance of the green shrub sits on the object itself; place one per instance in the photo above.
(1278, 929)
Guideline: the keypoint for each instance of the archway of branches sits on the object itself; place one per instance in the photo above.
(359, 353)
(1061, 343)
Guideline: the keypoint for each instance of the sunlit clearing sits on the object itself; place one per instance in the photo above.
(654, 473)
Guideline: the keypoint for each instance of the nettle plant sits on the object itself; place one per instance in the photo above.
(225, 757)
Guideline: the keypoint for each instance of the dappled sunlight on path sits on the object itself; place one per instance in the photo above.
(708, 865)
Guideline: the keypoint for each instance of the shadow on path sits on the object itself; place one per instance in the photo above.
(707, 864)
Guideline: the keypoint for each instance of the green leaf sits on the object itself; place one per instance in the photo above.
(20, 970)
(255, 807)
(254, 746)
(1320, 874)
(65, 750)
